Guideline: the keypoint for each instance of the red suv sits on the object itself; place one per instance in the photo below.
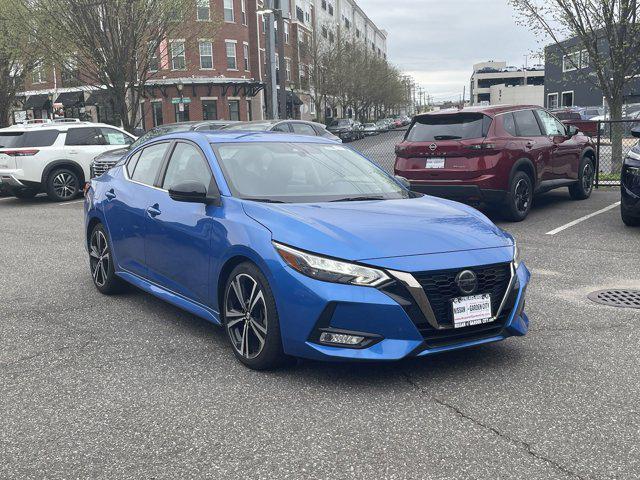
(497, 155)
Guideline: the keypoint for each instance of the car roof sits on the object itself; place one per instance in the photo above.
(245, 136)
(489, 110)
(60, 126)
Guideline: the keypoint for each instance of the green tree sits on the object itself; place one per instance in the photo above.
(18, 56)
(608, 30)
(114, 43)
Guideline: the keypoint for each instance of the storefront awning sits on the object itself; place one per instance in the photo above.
(99, 97)
(36, 102)
(70, 99)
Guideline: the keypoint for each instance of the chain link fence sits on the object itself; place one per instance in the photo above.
(610, 153)
(381, 148)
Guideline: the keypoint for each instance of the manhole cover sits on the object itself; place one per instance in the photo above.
(617, 298)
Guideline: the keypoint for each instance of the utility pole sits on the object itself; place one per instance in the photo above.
(282, 94)
(271, 89)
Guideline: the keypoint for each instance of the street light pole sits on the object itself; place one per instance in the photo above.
(283, 65)
(270, 53)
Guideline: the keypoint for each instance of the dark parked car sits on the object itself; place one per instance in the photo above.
(299, 127)
(345, 128)
(498, 155)
(107, 160)
(630, 185)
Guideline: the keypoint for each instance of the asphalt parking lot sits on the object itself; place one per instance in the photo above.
(130, 387)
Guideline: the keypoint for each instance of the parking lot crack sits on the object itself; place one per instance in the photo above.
(514, 441)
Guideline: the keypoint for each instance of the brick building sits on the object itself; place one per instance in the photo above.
(219, 75)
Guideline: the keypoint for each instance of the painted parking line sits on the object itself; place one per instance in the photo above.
(7, 198)
(70, 203)
(582, 219)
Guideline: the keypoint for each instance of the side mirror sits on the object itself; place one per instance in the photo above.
(572, 130)
(193, 192)
(403, 181)
(636, 132)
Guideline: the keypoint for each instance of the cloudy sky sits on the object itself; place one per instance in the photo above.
(438, 41)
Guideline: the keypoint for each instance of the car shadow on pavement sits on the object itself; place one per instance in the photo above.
(541, 202)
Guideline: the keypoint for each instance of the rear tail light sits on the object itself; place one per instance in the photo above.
(400, 150)
(20, 153)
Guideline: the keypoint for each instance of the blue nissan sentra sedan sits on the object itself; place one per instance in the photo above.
(301, 247)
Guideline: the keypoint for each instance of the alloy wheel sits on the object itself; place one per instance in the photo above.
(99, 257)
(587, 177)
(522, 195)
(64, 184)
(246, 315)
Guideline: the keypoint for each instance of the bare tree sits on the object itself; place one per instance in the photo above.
(609, 31)
(18, 56)
(113, 44)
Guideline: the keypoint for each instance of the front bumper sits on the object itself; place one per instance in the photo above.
(391, 320)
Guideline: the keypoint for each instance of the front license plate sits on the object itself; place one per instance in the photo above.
(435, 162)
(473, 310)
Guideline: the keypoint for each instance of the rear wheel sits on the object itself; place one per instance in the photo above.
(251, 319)
(63, 185)
(101, 263)
(25, 193)
(519, 198)
(581, 190)
(628, 219)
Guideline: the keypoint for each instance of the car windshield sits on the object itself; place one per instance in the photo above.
(255, 127)
(158, 131)
(458, 126)
(303, 173)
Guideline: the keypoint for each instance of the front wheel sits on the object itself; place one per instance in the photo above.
(251, 319)
(101, 263)
(581, 190)
(519, 198)
(628, 219)
(63, 185)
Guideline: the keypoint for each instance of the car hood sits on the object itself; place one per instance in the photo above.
(114, 155)
(370, 230)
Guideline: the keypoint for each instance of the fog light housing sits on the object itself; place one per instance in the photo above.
(341, 339)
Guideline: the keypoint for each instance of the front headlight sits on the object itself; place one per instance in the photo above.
(516, 255)
(330, 270)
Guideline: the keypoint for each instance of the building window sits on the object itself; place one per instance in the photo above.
(331, 37)
(286, 32)
(203, 10)
(182, 112)
(300, 14)
(156, 113)
(330, 9)
(245, 54)
(567, 99)
(209, 110)
(178, 61)
(206, 55)
(243, 8)
(357, 32)
(287, 67)
(231, 55)
(38, 75)
(324, 4)
(154, 61)
(571, 62)
(228, 10)
(325, 33)
(552, 100)
(234, 110)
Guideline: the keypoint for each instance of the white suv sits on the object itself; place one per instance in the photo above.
(53, 156)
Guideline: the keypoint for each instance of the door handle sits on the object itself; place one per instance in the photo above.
(154, 211)
(110, 194)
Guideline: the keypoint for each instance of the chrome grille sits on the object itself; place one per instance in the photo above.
(98, 167)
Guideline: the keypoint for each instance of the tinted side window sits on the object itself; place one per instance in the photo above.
(45, 138)
(303, 129)
(131, 164)
(551, 125)
(84, 137)
(115, 137)
(509, 124)
(186, 165)
(527, 124)
(149, 163)
(283, 127)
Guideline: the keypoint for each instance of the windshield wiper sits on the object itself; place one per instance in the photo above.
(264, 200)
(357, 199)
(447, 137)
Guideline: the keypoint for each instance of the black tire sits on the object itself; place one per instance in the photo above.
(260, 321)
(582, 189)
(628, 219)
(101, 263)
(62, 185)
(25, 193)
(519, 198)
